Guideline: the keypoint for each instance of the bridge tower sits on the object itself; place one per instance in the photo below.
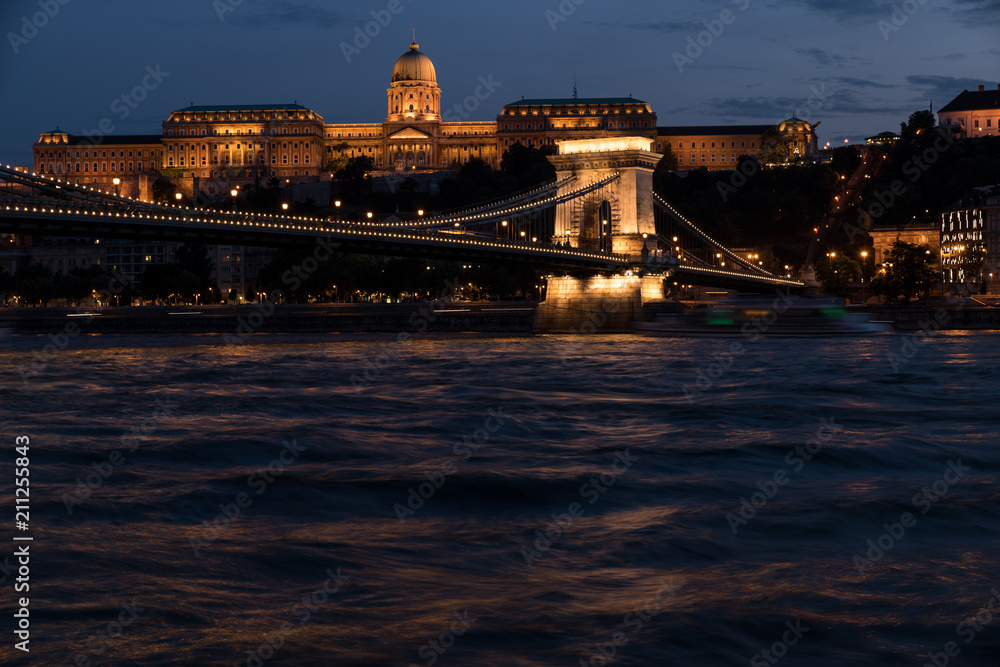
(617, 217)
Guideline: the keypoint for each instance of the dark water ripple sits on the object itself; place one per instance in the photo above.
(571, 405)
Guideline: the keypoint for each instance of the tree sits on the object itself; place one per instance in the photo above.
(529, 166)
(837, 272)
(668, 162)
(164, 190)
(36, 284)
(846, 160)
(6, 285)
(773, 149)
(919, 122)
(907, 270)
(357, 173)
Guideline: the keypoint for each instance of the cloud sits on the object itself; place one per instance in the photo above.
(825, 58)
(967, 13)
(975, 13)
(849, 11)
(275, 13)
(943, 88)
(858, 83)
(262, 14)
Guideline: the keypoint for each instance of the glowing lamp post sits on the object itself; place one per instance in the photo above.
(117, 181)
(234, 194)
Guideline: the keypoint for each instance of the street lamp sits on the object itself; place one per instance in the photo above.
(336, 205)
(234, 194)
(370, 214)
(178, 196)
(117, 181)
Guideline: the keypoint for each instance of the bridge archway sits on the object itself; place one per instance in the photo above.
(625, 204)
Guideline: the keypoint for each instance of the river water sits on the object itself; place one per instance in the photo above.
(548, 500)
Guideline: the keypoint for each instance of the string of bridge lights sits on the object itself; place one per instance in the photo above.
(185, 213)
(692, 227)
(540, 203)
(441, 219)
(570, 253)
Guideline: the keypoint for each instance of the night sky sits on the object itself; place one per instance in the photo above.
(769, 61)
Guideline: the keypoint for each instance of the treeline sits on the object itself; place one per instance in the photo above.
(926, 172)
(37, 285)
(776, 207)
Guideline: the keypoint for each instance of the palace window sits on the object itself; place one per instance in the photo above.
(703, 158)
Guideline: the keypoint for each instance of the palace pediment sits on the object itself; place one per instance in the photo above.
(410, 133)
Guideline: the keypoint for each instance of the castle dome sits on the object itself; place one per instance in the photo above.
(414, 66)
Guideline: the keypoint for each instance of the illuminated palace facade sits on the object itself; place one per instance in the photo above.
(217, 147)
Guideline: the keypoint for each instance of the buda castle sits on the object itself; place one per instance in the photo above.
(210, 149)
